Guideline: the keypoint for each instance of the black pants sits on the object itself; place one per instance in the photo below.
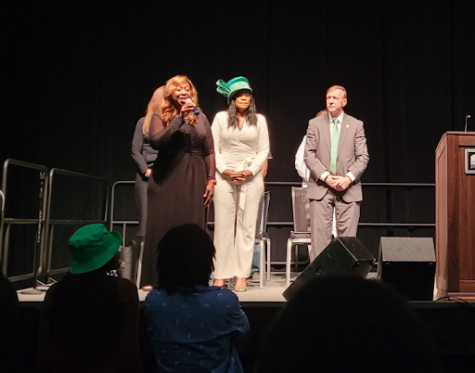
(141, 183)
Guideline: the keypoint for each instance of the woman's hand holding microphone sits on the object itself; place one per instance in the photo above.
(188, 106)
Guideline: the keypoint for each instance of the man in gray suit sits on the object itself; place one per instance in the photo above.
(336, 155)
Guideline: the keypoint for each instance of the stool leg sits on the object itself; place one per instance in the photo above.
(262, 269)
(268, 258)
(287, 267)
(139, 265)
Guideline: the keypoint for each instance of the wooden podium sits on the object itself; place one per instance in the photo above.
(455, 216)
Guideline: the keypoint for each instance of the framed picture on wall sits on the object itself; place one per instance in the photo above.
(470, 161)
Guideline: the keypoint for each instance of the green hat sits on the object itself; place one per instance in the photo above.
(92, 246)
(230, 88)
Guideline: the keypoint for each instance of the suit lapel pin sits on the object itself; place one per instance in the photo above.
(347, 126)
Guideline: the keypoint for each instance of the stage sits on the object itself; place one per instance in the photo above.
(451, 323)
(269, 295)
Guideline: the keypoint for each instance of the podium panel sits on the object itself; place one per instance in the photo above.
(455, 215)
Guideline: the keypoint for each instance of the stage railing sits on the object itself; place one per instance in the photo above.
(364, 185)
(409, 226)
(125, 223)
(45, 226)
(51, 224)
(7, 222)
(2, 207)
(2, 203)
(43, 249)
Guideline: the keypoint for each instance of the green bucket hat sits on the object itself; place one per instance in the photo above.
(92, 246)
(234, 85)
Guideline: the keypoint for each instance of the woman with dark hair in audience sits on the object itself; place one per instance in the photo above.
(89, 319)
(144, 157)
(340, 324)
(193, 326)
(183, 179)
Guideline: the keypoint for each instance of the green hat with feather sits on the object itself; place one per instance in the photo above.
(229, 89)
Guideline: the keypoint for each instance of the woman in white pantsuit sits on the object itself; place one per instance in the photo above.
(241, 145)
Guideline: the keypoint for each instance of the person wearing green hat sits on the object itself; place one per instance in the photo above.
(241, 143)
(89, 319)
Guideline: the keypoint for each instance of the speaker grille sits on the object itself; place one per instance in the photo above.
(407, 249)
(408, 263)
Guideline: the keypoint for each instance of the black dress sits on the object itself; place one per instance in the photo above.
(180, 173)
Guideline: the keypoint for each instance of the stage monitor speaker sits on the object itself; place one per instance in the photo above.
(408, 264)
(344, 255)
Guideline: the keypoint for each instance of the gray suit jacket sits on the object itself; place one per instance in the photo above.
(352, 155)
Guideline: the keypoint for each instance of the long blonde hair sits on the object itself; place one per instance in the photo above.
(154, 106)
(169, 111)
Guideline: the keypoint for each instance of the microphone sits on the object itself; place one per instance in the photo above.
(466, 120)
(195, 110)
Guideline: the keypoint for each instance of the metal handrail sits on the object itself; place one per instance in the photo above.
(2, 196)
(124, 223)
(2, 206)
(50, 224)
(406, 185)
(402, 225)
(5, 236)
(360, 224)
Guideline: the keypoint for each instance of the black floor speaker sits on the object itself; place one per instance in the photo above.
(344, 255)
(408, 264)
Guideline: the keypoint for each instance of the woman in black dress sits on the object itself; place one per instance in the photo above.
(183, 176)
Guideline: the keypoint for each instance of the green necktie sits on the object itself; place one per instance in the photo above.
(334, 149)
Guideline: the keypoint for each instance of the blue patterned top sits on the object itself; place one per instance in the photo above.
(193, 332)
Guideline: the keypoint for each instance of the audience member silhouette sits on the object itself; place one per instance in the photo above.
(346, 324)
(9, 327)
(193, 326)
(89, 319)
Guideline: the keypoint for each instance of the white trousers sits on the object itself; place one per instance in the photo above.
(235, 219)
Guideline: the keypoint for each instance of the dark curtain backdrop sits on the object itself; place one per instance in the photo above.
(76, 76)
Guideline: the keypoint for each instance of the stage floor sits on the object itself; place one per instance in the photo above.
(451, 323)
(269, 295)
